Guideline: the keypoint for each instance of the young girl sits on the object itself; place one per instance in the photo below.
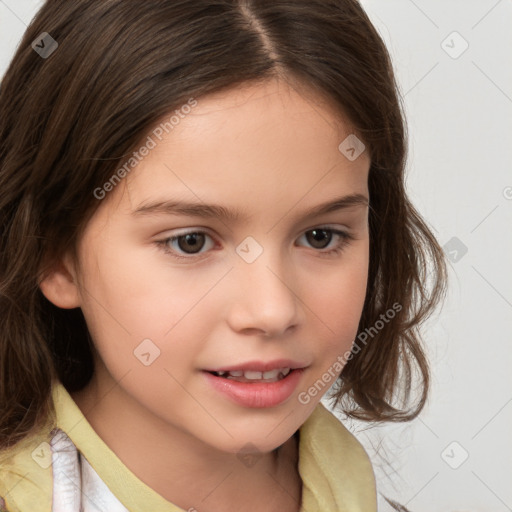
(204, 229)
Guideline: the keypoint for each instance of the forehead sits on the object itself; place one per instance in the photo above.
(260, 145)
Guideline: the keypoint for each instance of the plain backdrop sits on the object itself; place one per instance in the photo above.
(456, 79)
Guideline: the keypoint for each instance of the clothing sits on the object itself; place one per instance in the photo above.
(67, 467)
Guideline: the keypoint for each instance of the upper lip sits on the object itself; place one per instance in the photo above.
(260, 366)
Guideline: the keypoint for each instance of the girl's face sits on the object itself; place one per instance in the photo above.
(261, 282)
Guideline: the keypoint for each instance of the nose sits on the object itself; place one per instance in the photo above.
(264, 299)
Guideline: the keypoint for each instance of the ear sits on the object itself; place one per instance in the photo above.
(59, 284)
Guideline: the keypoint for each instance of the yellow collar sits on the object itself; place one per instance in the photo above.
(336, 472)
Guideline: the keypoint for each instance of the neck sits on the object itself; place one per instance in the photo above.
(184, 470)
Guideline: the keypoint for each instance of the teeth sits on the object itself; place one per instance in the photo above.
(272, 374)
(254, 375)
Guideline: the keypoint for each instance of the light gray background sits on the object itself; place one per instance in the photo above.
(459, 110)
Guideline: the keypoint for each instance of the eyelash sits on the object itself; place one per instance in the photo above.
(345, 239)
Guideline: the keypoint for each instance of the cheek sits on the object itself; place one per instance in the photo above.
(145, 293)
(338, 305)
(337, 308)
(139, 304)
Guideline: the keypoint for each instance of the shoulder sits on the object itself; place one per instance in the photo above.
(26, 480)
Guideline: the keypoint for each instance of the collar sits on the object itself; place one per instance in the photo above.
(336, 472)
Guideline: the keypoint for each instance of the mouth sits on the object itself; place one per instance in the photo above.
(256, 388)
(258, 371)
(253, 376)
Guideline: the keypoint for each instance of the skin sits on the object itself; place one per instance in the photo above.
(271, 152)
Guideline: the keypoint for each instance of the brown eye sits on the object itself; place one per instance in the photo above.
(319, 238)
(191, 242)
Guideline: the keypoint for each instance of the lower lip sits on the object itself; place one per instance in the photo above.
(257, 394)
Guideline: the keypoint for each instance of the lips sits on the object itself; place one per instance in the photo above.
(254, 392)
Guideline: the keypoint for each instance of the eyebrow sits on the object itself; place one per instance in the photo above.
(203, 210)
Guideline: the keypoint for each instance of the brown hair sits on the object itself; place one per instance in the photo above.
(69, 120)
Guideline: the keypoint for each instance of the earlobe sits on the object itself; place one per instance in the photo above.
(58, 285)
